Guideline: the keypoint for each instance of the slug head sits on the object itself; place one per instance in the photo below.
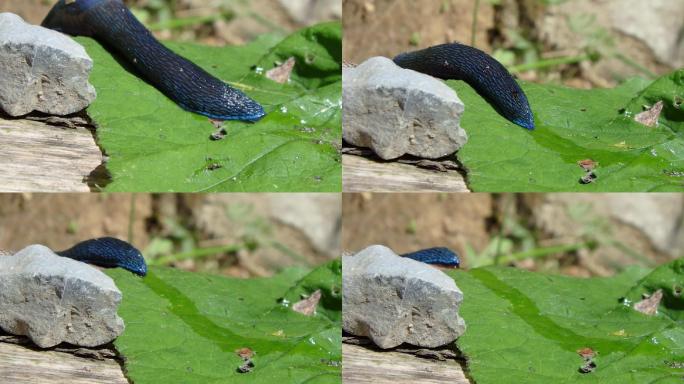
(131, 259)
(108, 252)
(231, 105)
(525, 120)
(438, 255)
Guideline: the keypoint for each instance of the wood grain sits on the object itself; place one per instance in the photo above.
(362, 365)
(363, 175)
(37, 157)
(21, 365)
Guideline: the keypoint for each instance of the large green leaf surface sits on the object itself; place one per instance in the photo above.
(526, 327)
(184, 327)
(154, 145)
(574, 125)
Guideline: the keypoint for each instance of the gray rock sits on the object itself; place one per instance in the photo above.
(396, 111)
(396, 300)
(53, 299)
(42, 70)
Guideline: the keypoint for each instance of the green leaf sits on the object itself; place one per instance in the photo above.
(184, 327)
(527, 327)
(574, 125)
(319, 63)
(154, 145)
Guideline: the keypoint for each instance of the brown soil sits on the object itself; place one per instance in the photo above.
(409, 222)
(243, 27)
(389, 27)
(61, 220)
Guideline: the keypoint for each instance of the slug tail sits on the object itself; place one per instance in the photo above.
(108, 252)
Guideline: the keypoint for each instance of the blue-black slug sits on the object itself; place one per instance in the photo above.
(108, 252)
(192, 88)
(438, 255)
(482, 72)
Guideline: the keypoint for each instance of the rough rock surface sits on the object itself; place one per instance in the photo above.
(53, 299)
(397, 111)
(42, 70)
(396, 300)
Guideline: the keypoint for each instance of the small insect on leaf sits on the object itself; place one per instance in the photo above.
(246, 367)
(586, 353)
(245, 353)
(587, 164)
(650, 116)
(587, 367)
(588, 178)
(219, 134)
(308, 305)
(281, 73)
(649, 305)
(246, 356)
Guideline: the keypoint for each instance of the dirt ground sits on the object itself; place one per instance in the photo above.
(61, 220)
(469, 223)
(525, 29)
(388, 27)
(248, 21)
(163, 224)
(409, 222)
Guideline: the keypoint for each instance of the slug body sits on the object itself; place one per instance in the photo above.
(108, 252)
(482, 72)
(192, 88)
(440, 255)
